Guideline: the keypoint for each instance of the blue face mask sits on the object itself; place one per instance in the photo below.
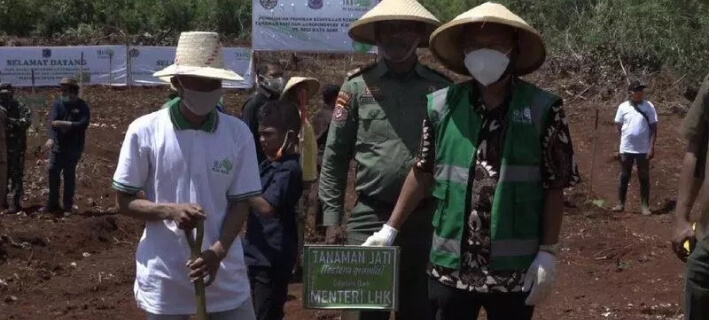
(65, 99)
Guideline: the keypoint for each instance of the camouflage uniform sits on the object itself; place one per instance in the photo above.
(19, 119)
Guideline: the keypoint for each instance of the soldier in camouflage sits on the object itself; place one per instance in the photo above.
(377, 122)
(19, 119)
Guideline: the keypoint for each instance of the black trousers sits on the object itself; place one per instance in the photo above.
(696, 287)
(62, 163)
(448, 303)
(269, 292)
(627, 160)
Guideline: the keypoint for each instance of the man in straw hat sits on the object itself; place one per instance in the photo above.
(692, 245)
(496, 154)
(375, 121)
(69, 119)
(300, 90)
(195, 165)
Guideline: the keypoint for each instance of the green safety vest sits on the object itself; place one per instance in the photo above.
(518, 203)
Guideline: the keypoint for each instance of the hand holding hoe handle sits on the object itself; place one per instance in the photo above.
(196, 248)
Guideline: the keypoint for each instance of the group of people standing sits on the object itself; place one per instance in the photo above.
(68, 120)
(467, 179)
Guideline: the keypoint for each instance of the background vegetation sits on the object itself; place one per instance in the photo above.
(648, 33)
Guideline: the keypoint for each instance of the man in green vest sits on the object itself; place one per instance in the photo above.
(495, 154)
(376, 122)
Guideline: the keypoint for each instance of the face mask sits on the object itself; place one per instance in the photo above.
(66, 99)
(284, 146)
(486, 65)
(410, 52)
(201, 103)
(274, 85)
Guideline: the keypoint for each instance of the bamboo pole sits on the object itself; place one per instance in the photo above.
(196, 250)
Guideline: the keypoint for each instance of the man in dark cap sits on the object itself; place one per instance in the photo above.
(636, 121)
(66, 134)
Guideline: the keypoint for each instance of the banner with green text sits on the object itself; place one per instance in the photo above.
(307, 25)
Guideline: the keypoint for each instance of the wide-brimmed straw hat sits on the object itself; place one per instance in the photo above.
(199, 54)
(312, 86)
(362, 30)
(446, 42)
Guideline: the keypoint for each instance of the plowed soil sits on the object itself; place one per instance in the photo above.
(613, 266)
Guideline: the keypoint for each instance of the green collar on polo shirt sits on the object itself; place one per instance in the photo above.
(180, 123)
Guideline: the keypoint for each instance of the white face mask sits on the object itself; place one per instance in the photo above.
(486, 65)
(201, 103)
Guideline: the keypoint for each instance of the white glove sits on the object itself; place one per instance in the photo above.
(540, 278)
(382, 238)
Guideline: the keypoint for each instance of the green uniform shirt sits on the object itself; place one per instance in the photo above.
(377, 122)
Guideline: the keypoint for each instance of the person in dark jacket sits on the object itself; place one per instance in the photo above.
(271, 244)
(270, 83)
(68, 121)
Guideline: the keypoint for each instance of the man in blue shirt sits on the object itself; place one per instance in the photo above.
(68, 121)
(271, 244)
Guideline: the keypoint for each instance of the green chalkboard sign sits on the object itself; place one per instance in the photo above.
(351, 277)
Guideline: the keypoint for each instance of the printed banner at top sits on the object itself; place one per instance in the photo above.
(307, 25)
(101, 65)
(147, 60)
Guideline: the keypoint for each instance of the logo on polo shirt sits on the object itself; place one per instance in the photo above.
(222, 167)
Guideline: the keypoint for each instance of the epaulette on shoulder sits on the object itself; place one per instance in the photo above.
(438, 73)
(359, 70)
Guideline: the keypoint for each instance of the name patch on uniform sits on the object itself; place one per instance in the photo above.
(342, 107)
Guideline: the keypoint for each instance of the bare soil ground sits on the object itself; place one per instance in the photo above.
(614, 266)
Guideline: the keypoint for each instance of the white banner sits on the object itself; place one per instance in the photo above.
(101, 65)
(307, 25)
(147, 60)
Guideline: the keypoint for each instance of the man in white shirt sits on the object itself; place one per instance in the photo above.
(195, 165)
(636, 121)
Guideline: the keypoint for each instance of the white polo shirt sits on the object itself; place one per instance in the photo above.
(174, 164)
(635, 131)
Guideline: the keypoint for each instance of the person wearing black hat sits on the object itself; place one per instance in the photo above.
(636, 121)
(68, 119)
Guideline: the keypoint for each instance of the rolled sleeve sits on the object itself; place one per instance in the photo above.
(247, 182)
(285, 189)
(696, 118)
(133, 163)
(559, 169)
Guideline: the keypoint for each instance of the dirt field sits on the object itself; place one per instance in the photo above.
(613, 266)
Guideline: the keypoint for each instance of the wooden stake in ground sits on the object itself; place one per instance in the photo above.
(196, 249)
(593, 152)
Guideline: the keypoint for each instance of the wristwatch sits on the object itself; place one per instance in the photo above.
(553, 249)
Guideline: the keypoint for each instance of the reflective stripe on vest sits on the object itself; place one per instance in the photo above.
(439, 105)
(498, 248)
(456, 174)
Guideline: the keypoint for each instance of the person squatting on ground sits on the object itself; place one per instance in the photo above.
(195, 165)
(269, 85)
(68, 120)
(377, 123)
(693, 176)
(271, 247)
(636, 122)
(19, 119)
(496, 154)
